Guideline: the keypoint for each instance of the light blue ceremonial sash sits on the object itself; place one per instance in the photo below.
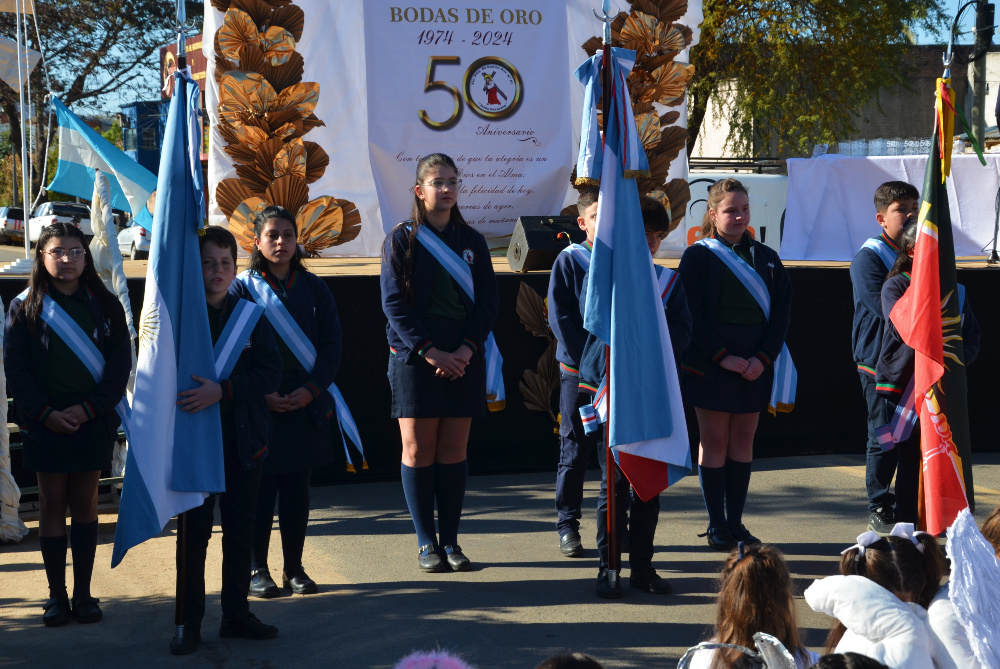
(234, 336)
(580, 254)
(596, 414)
(304, 351)
(460, 271)
(885, 252)
(906, 417)
(785, 374)
(73, 335)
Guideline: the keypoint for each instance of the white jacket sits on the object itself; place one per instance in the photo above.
(878, 624)
(947, 628)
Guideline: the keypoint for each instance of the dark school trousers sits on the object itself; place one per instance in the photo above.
(880, 466)
(641, 520)
(237, 506)
(575, 449)
(909, 462)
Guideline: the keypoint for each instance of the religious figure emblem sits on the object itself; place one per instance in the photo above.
(493, 88)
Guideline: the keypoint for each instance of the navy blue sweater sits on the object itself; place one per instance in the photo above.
(894, 368)
(867, 276)
(566, 284)
(407, 335)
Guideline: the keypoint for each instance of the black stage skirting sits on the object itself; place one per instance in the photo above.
(829, 415)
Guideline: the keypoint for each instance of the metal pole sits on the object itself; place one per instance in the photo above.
(984, 18)
(24, 145)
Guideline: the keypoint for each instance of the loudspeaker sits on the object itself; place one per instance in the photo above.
(537, 240)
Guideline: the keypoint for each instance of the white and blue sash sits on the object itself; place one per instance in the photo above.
(581, 254)
(665, 282)
(886, 253)
(304, 351)
(234, 336)
(460, 271)
(906, 417)
(785, 374)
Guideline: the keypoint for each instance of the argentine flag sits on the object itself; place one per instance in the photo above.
(624, 308)
(175, 459)
(82, 150)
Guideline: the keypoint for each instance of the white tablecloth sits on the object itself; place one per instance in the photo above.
(830, 213)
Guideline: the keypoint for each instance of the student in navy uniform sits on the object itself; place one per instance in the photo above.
(894, 370)
(67, 420)
(727, 369)
(246, 429)
(567, 279)
(303, 418)
(437, 369)
(897, 204)
(643, 516)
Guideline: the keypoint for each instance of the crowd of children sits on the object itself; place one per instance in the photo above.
(440, 298)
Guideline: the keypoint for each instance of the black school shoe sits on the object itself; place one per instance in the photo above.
(456, 558)
(188, 642)
(570, 545)
(247, 627)
(720, 538)
(650, 581)
(429, 560)
(299, 582)
(882, 520)
(741, 533)
(86, 610)
(604, 587)
(57, 611)
(262, 585)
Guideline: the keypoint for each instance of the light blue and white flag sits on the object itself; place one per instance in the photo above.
(175, 458)
(82, 150)
(624, 309)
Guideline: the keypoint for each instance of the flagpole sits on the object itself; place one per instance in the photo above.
(610, 466)
(25, 186)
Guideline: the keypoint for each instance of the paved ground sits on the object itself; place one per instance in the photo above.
(523, 601)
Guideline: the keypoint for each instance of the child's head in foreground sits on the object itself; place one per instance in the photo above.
(655, 221)
(218, 261)
(586, 208)
(896, 202)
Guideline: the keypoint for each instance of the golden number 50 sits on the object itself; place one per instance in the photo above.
(431, 85)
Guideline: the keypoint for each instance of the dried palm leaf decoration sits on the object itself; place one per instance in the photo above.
(650, 29)
(265, 109)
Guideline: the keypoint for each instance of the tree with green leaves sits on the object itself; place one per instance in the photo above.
(789, 74)
(95, 51)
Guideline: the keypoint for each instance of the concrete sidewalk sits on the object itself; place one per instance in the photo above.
(522, 602)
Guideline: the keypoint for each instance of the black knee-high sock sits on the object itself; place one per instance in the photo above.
(54, 557)
(737, 484)
(83, 541)
(713, 488)
(449, 487)
(418, 486)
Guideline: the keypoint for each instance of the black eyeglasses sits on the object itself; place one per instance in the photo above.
(73, 254)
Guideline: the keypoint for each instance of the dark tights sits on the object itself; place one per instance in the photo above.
(78, 492)
(291, 491)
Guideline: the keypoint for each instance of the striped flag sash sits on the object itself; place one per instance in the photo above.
(595, 414)
(666, 279)
(84, 348)
(234, 336)
(304, 351)
(460, 271)
(904, 419)
(581, 254)
(785, 375)
(886, 253)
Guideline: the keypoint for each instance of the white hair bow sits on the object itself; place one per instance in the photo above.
(864, 540)
(908, 531)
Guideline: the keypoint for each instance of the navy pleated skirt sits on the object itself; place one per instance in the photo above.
(728, 391)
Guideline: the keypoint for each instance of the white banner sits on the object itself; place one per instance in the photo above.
(480, 85)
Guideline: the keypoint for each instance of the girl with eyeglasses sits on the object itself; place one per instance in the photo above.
(437, 369)
(67, 419)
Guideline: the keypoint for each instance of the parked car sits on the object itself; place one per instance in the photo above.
(67, 212)
(133, 241)
(12, 224)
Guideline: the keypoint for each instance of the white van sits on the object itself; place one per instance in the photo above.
(767, 209)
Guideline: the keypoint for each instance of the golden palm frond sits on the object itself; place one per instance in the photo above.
(288, 191)
(531, 311)
(278, 45)
(229, 194)
(238, 30)
(643, 34)
(223, 5)
(679, 193)
(669, 83)
(291, 18)
(648, 126)
(242, 219)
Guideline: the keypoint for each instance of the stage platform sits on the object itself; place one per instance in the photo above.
(829, 416)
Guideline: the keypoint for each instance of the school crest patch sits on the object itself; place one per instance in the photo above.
(469, 257)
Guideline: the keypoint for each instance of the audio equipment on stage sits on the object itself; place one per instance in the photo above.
(537, 240)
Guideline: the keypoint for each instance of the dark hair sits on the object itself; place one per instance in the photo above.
(258, 263)
(716, 192)
(755, 595)
(418, 216)
(588, 196)
(570, 661)
(848, 661)
(655, 217)
(39, 279)
(907, 240)
(220, 236)
(991, 529)
(894, 191)
(910, 571)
